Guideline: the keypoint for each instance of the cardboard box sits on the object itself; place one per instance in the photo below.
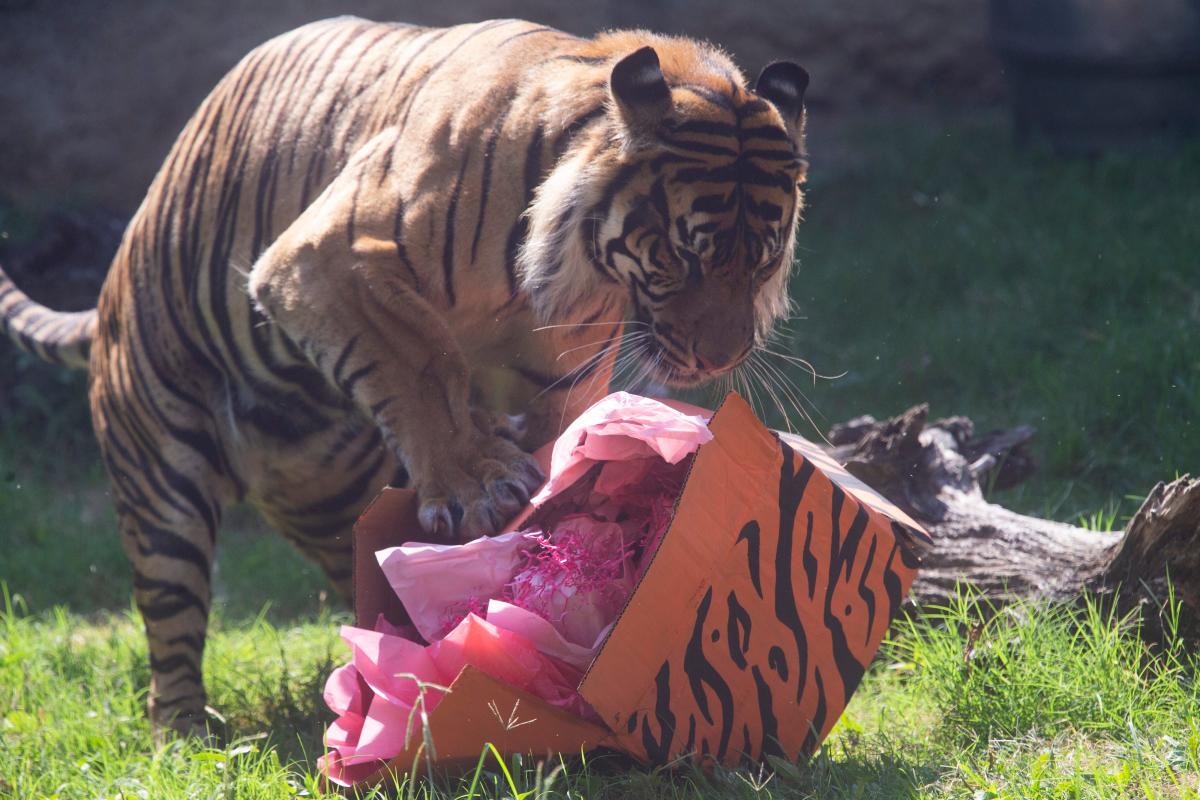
(746, 636)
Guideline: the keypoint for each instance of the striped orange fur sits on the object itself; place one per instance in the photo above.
(373, 242)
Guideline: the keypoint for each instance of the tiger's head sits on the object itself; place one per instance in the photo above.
(681, 206)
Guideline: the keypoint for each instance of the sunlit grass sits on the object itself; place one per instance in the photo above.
(1032, 702)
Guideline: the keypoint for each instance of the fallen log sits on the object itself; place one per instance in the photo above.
(935, 469)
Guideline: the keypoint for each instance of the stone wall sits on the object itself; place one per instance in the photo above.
(93, 92)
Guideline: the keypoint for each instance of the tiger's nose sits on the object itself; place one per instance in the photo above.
(720, 352)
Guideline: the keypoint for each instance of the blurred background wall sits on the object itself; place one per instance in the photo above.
(95, 91)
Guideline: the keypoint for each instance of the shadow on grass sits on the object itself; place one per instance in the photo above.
(888, 774)
(607, 774)
(283, 707)
(59, 536)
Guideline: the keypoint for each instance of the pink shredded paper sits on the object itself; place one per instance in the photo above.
(531, 607)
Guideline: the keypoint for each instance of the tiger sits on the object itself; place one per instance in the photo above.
(383, 254)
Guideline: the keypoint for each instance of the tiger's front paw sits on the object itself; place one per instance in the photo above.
(507, 426)
(478, 492)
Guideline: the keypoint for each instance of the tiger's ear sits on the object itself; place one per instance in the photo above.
(640, 90)
(783, 84)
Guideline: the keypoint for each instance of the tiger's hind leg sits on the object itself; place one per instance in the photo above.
(327, 542)
(170, 484)
(172, 569)
(314, 500)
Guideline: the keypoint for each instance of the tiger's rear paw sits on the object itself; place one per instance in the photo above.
(203, 724)
(480, 493)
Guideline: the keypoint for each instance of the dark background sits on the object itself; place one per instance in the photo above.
(96, 91)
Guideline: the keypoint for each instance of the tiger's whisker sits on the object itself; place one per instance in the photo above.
(767, 383)
(623, 338)
(772, 378)
(748, 388)
(643, 375)
(784, 384)
(802, 363)
(579, 371)
(626, 364)
(649, 367)
(785, 380)
(587, 325)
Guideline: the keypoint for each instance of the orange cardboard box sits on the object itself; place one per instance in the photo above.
(750, 629)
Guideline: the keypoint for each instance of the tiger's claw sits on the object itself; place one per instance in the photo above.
(479, 497)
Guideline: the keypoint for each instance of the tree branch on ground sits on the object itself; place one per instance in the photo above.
(936, 471)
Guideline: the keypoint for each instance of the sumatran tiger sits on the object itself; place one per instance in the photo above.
(373, 243)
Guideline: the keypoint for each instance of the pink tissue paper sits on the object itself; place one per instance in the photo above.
(529, 607)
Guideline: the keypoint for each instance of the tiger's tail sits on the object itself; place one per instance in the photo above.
(63, 338)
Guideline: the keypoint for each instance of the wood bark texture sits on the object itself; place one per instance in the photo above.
(935, 470)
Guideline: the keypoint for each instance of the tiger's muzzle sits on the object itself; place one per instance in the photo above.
(700, 341)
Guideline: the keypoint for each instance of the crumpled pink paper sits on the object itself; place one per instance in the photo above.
(544, 636)
(621, 427)
(375, 694)
(509, 657)
(531, 607)
(436, 582)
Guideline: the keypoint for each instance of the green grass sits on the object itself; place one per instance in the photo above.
(1030, 703)
(60, 548)
(938, 264)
